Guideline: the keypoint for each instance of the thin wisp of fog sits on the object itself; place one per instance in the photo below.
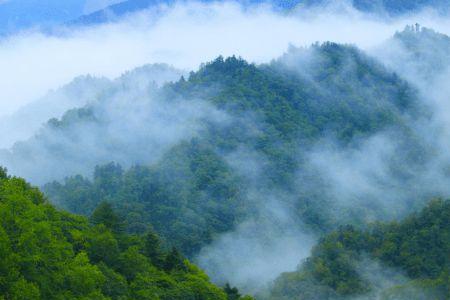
(283, 151)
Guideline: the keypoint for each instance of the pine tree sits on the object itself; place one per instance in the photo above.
(174, 261)
(232, 293)
(152, 249)
(104, 214)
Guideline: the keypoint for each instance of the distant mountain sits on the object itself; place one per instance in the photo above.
(389, 7)
(116, 11)
(418, 53)
(26, 122)
(395, 7)
(17, 15)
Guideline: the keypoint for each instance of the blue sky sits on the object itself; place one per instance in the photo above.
(21, 14)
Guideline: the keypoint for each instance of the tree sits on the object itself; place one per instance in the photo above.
(174, 261)
(104, 214)
(232, 293)
(3, 173)
(152, 249)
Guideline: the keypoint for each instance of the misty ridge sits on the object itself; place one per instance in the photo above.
(308, 175)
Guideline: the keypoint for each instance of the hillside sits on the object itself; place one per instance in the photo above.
(272, 113)
(413, 255)
(50, 254)
(418, 54)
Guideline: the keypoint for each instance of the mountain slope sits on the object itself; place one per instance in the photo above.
(28, 120)
(274, 112)
(419, 54)
(418, 245)
(49, 254)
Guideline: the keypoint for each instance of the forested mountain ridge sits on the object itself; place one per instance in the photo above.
(419, 54)
(51, 254)
(277, 111)
(418, 245)
(26, 121)
(52, 143)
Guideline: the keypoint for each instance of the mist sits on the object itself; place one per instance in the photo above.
(127, 123)
(259, 249)
(263, 246)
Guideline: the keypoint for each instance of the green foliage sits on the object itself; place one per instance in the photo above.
(174, 261)
(419, 245)
(187, 198)
(49, 254)
(105, 215)
(152, 248)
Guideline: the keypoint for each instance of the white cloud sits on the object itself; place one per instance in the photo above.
(184, 35)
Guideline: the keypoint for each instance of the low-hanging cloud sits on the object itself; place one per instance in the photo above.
(184, 35)
(271, 241)
(127, 122)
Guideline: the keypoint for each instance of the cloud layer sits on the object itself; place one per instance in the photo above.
(183, 35)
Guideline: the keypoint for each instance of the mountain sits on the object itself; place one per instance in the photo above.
(387, 7)
(397, 7)
(398, 260)
(51, 254)
(418, 53)
(124, 8)
(28, 120)
(390, 7)
(231, 109)
(22, 124)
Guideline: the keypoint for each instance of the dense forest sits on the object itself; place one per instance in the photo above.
(194, 182)
(417, 248)
(51, 254)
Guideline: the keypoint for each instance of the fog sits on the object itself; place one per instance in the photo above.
(125, 122)
(263, 246)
